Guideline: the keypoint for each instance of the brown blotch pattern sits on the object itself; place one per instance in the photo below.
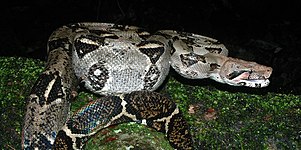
(191, 58)
(214, 66)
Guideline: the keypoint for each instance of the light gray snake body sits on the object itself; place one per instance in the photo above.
(125, 63)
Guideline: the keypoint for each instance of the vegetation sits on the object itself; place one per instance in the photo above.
(219, 119)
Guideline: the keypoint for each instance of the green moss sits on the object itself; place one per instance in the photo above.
(241, 120)
(129, 135)
(218, 119)
(16, 76)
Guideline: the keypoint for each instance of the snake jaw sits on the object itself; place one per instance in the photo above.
(251, 79)
(238, 72)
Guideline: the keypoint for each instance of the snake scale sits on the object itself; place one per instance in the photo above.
(125, 64)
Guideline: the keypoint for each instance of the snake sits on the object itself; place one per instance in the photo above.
(124, 65)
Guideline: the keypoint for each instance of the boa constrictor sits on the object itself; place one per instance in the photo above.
(117, 60)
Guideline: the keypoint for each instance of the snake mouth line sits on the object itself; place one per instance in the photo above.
(246, 75)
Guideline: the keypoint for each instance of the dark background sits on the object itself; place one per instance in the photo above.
(267, 32)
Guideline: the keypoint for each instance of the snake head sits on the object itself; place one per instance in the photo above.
(239, 72)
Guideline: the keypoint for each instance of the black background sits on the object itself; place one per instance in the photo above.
(267, 32)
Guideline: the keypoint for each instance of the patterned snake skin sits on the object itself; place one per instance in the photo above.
(123, 63)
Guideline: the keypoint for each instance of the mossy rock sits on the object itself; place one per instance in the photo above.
(219, 118)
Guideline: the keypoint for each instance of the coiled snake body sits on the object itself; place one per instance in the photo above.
(126, 63)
